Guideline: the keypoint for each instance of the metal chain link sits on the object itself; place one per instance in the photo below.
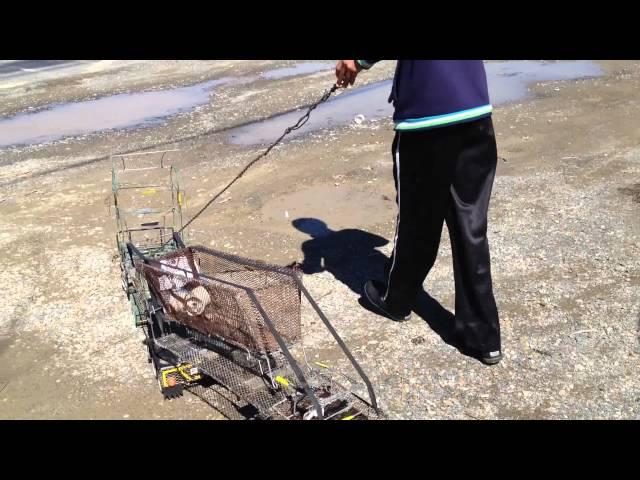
(290, 129)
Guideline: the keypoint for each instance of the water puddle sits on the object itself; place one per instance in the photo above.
(113, 112)
(16, 67)
(298, 69)
(509, 81)
(370, 101)
(117, 111)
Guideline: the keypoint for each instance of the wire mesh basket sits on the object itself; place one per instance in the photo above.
(227, 296)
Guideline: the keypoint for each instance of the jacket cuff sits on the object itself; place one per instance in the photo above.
(364, 64)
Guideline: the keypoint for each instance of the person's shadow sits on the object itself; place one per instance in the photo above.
(350, 255)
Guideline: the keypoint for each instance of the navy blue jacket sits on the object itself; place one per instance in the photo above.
(433, 93)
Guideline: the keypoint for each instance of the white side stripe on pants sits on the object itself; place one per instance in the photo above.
(395, 239)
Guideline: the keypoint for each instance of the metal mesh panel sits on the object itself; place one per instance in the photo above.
(222, 399)
(335, 399)
(241, 381)
(220, 294)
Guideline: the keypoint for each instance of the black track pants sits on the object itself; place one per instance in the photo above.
(446, 174)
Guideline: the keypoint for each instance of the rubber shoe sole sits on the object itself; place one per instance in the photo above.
(488, 358)
(491, 358)
(372, 294)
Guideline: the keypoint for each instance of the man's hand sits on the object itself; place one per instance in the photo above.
(346, 72)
